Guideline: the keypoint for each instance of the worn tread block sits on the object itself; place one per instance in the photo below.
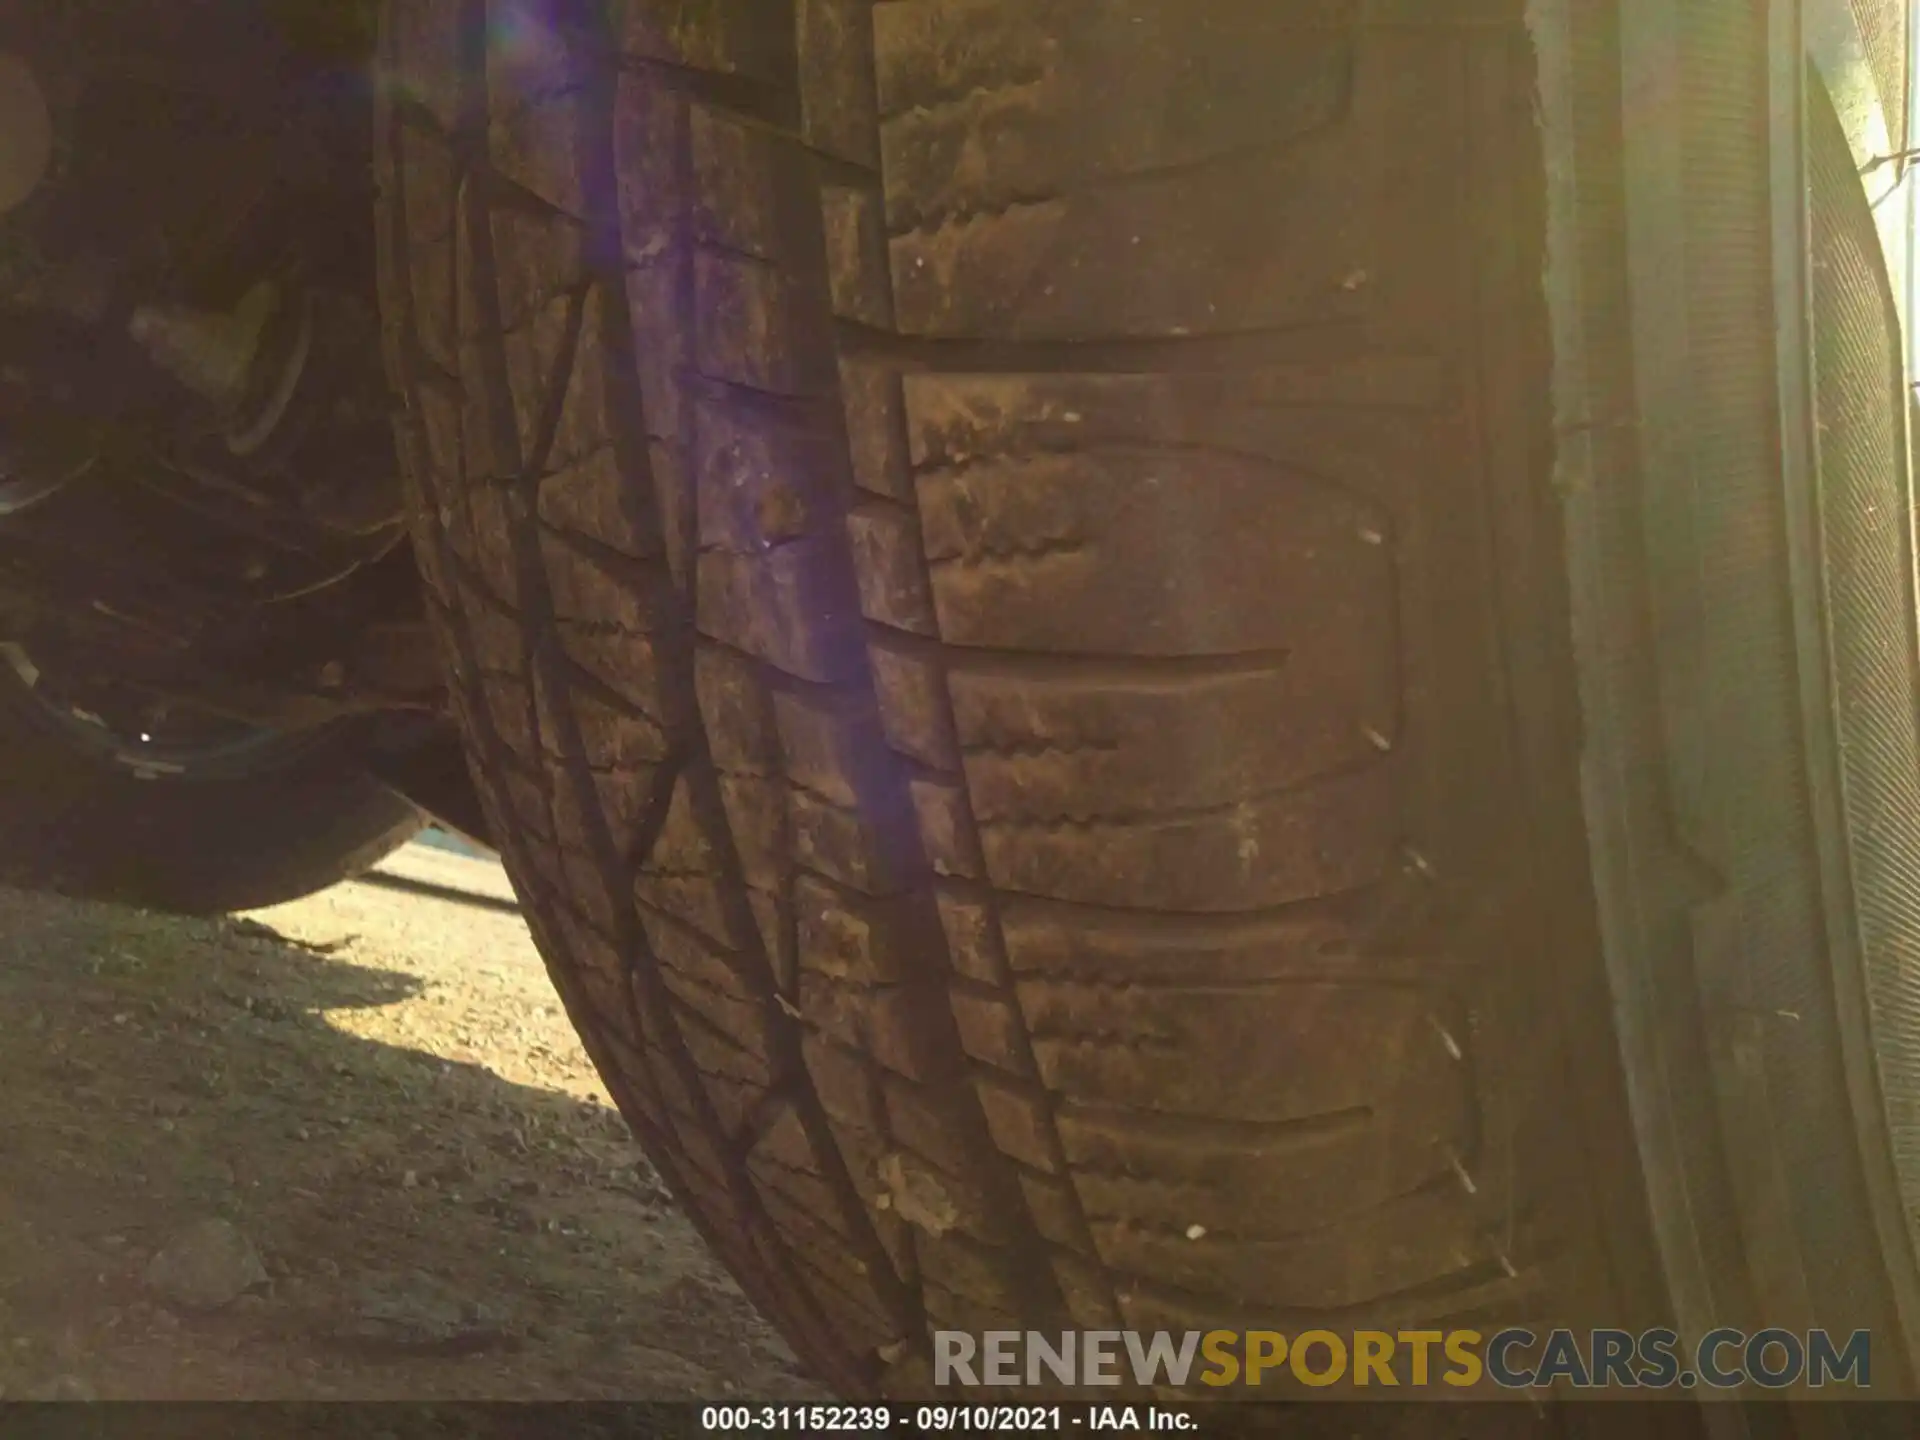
(1413, 1240)
(736, 37)
(695, 899)
(949, 1310)
(1266, 1177)
(587, 495)
(526, 810)
(533, 126)
(735, 177)
(586, 882)
(1218, 250)
(773, 917)
(893, 581)
(1067, 553)
(625, 798)
(1332, 836)
(811, 1216)
(973, 935)
(1038, 746)
(981, 1273)
(855, 848)
(757, 816)
(508, 702)
(1300, 943)
(847, 936)
(1131, 1045)
(498, 643)
(930, 1197)
(543, 862)
(657, 292)
(733, 1098)
(680, 877)
(857, 255)
(947, 829)
(724, 1035)
(836, 1009)
(1362, 424)
(843, 1079)
(829, 743)
(1055, 1210)
(591, 584)
(738, 712)
(423, 56)
(874, 402)
(619, 671)
(602, 975)
(885, 1022)
(747, 330)
(651, 134)
(992, 1031)
(612, 739)
(429, 179)
(869, 1323)
(915, 712)
(986, 106)
(785, 1149)
(762, 483)
(838, 113)
(577, 319)
(780, 606)
(438, 409)
(1088, 1292)
(697, 956)
(689, 958)
(927, 1121)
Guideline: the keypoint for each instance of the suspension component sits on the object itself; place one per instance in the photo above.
(213, 353)
(200, 503)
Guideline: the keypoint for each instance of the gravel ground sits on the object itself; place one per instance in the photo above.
(343, 1148)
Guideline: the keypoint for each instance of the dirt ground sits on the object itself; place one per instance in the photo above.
(343, 1148)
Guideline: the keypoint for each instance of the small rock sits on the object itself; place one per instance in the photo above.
(206, 1267)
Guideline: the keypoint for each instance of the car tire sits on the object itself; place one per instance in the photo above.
(1172, 665)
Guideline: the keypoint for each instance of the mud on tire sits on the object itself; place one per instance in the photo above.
(996, 571)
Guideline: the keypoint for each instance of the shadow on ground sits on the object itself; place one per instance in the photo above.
(425, 1226)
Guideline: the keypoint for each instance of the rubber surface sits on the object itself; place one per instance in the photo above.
(999, 585)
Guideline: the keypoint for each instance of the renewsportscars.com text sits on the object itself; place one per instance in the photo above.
(1511, 1359)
